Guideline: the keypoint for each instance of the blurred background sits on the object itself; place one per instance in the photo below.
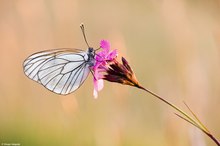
(172, 45)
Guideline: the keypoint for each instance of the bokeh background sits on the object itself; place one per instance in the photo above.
(172, 45)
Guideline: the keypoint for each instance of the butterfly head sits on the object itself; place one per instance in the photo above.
(91, 56)
(91, 52)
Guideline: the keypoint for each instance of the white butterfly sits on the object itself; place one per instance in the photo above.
(60, 70)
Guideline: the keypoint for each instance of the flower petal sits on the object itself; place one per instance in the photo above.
(101, 65)
(104, 44)
(98, 86)
(113, 54)
(95, 94)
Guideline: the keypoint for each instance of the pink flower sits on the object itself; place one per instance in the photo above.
(102, 58)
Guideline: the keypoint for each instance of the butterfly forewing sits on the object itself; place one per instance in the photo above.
(61, 71)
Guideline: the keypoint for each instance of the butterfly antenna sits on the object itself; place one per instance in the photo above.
(83, 31)
(97, 49)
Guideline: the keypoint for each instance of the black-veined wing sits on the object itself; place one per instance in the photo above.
(61, 70)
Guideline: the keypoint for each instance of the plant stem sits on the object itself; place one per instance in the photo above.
(170, 104)
(189, 119)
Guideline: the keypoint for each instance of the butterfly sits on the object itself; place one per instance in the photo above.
(62, 71)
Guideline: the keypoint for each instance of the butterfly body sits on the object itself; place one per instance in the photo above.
(91, 57)
(60, 70)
